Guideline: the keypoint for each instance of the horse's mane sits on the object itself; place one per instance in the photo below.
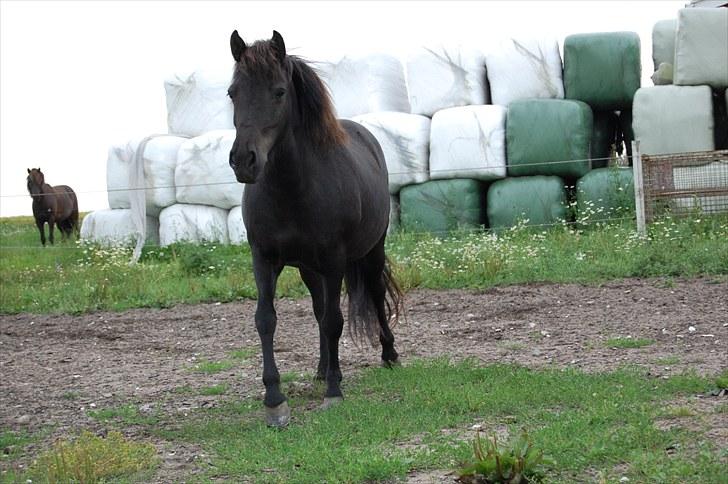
(315, 110)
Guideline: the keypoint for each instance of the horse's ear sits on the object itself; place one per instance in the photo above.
(237, 46)
(278, 46)
(28, 170)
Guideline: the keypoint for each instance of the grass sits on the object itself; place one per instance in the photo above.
(124, 415)
(90, 458)
(76, 277)
(418, 417)
(628, 343)
(211, 367)
(214, 390)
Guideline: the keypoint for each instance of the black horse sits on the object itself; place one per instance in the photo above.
(55, 205)
(317, 200)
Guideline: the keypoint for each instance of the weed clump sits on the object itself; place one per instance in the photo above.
(90, 458)
(516, 463)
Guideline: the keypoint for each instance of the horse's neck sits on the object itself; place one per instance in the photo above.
(44, 196)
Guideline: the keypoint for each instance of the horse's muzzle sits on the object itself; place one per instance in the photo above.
(245, 168)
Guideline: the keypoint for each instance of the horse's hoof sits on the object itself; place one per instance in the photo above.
(278, 416)
(391, 364)
(330, 402)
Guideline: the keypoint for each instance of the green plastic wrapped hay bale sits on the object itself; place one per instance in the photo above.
(441, 206)
(602, 69)
(535, 200)
(604, 193)
(604, 135)
(542, 132)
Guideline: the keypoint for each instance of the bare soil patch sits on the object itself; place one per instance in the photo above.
(56, 368)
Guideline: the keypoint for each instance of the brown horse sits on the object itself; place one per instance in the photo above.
(55, 205)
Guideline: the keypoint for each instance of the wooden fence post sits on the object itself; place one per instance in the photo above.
(639, 189)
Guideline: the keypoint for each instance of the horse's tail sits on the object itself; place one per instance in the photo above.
(375, 298)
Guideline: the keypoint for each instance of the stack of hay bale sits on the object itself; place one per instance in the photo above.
(510, 160)
(471, 137)
(687, 110)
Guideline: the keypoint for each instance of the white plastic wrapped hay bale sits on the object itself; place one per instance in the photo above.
(468, 142)
(160, 158)
(115, 227)
(673, 119)
(663, 48)
(203, 174)
(365, 84)
(193, 223)
(440, 77)
(524, 69)
(236, 228)
(197, 102)
(701, 47)
(405, 141)
(711, 175)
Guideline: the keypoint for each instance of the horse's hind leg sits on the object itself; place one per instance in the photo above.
(315, 286)
(266, 277)
(333, 325)
(375, 280)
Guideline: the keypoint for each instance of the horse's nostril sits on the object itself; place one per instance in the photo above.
(251, 159)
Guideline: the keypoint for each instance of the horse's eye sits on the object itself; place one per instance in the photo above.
(279, 93)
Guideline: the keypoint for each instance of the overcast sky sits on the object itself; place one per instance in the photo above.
(76, 77)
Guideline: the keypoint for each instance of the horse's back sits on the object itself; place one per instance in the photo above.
(365, 146)
(67, 203)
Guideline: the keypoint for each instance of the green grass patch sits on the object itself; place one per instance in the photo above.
(12, 443)
(244, 353)
(668, 360)
(124, 415)
(94, 459)
(628, 343)
(78, 277)
(214, 390)
(418, 417)
(211, 367)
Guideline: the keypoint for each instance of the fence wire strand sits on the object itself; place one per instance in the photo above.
(626, 158)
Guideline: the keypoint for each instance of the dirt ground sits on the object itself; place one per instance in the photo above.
(54, 369)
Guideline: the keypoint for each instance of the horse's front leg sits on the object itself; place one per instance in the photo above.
(266, 277)
(41, 228)
(333, 325)
(51, 223)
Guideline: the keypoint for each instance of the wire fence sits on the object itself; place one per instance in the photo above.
(623, 160)
(676, 184)
(685, 183)
(457, 231)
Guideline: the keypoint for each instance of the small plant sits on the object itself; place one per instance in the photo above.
(92, 459)
(721, 380)
(518, 463)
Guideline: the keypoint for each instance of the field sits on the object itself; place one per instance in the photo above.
(604, 346)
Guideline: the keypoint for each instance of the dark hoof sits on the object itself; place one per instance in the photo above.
(330, 402)
(391, 364)
(278, 416)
